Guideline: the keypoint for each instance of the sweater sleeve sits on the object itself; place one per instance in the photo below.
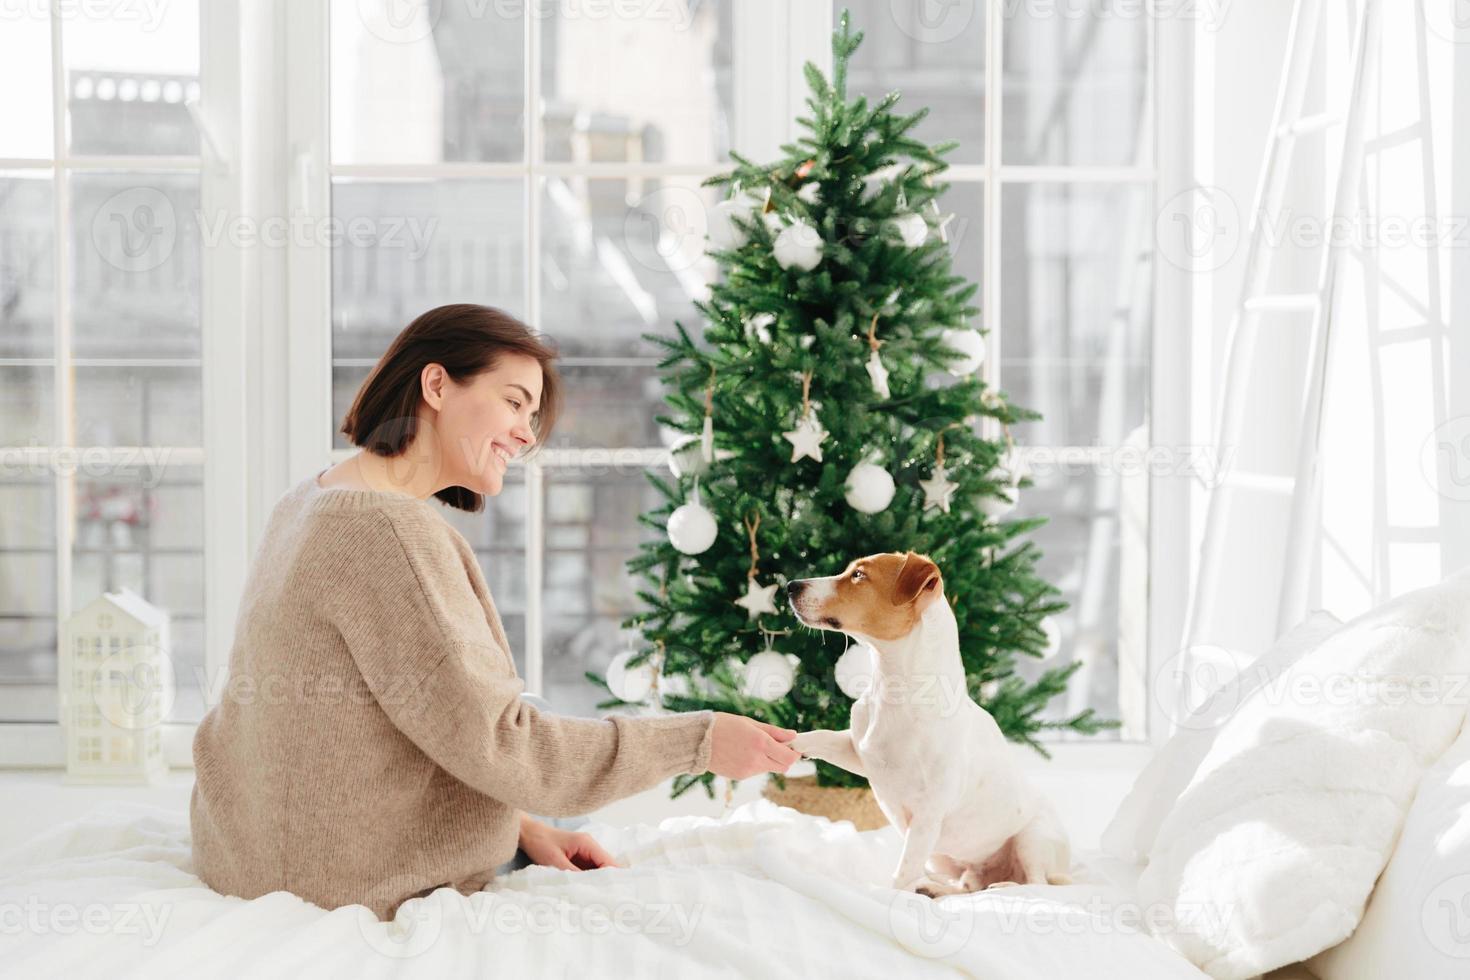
(417, 632)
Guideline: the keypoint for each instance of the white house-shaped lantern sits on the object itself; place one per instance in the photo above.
(116, 688)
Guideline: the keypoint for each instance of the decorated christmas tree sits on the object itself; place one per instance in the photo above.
(834, 408)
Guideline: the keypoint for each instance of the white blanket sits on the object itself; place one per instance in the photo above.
(765, 891)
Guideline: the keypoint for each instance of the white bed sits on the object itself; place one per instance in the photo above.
(764, 891)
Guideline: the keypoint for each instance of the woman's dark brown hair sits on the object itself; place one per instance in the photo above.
(466, 339)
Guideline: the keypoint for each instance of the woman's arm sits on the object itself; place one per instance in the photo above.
(416, 631)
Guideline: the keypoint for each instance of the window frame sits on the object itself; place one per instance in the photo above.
(222, 455)
(264, 79)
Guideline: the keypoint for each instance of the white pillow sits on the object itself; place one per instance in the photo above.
(1272, 849)
(1418, 920)
(1130, 835)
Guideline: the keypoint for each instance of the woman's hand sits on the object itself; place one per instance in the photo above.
(563, 849)
(744, 747)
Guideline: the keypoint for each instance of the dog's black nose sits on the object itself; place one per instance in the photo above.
(793, 589)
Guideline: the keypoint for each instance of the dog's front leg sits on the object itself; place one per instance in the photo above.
(918, 844)
(829, 746)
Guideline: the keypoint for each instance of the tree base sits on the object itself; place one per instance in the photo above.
(833, 802)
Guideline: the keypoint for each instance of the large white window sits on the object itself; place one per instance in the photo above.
(545, 158)
(101, 394)
(1053, 186)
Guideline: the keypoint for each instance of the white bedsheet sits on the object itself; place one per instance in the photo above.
(764, 891)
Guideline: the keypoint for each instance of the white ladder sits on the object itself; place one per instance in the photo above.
(1287, 125)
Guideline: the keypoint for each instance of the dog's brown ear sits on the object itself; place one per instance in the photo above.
(916, 577)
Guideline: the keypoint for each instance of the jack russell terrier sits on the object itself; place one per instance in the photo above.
(940, 768)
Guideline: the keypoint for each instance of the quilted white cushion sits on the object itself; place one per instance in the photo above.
(1271, 851)
(1131, 833)
(1418, 921)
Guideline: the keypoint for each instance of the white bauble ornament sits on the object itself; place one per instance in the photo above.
(629, 683)
(705, 683)
(686, 456)
(1053, 638)
(911, 228)
(760, 325)
(675, 684)
(970, 344)
(769, 676)
(869, 488)
(724, 233)
(692, 528)
(878, 375)
(855, 670)
(798, 246)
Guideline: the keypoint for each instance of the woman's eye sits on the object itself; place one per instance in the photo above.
(515, 403)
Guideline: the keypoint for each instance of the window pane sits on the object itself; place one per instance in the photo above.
(25, 406)
(637, 82)
(592, 530)
(25, 66)
(425, 81)
(27, 667)
(1098, 560)
(498, 536)
(934, 54)
(27, 264)
(136, 245)
(410, 245)
(1076, 283)
(965, 200)
(142, 528)
(139, 406)
(619, 258)
(1076, 85)
(128, 75)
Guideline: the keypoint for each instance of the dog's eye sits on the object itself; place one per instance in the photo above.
(858, 575)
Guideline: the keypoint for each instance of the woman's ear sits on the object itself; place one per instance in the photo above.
(432, 380)
(918, 578)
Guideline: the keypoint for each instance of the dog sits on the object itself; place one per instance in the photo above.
(940, 768)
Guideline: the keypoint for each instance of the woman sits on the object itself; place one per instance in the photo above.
(372, 744)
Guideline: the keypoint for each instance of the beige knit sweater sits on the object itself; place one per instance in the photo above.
(370, 744)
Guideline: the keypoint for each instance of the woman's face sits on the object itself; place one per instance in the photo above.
(485, 421)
